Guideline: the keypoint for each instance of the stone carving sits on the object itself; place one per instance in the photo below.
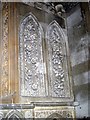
(57, 61)
(44, 6)
(1, 115)
(14, 114)
(32, 68)
(54, 113)
(31, 58)
(55, 116)
(59, 10)
(4, 59)
(29, 114)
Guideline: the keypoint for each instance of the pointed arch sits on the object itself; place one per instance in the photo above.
(54, 24)
(57, 61)
(14, 114)
(31, 57)
(54, 116)
(1, 115)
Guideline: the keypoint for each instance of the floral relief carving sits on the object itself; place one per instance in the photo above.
(56, 55)
(32, 68)
(4, 58)
(31, 58)
(52, 113)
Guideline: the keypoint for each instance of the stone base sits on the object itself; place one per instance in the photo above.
(44, 112)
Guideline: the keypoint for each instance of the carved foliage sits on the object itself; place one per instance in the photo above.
(56, 54)
(51, 114)
(4, 58)
(31, 58)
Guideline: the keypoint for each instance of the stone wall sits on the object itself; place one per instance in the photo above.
(56, 112)
(22, 27)
(79, 51)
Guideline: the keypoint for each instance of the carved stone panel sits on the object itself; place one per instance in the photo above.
(14, 114)
(57, 62)
(54, 113)
(1, 115)
(4, 83)
(31, 58)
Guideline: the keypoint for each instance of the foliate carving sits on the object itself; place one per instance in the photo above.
(57, 61)
(53, 113)
(31, 58)
(47, 6)
(4, 64)
(29, 114)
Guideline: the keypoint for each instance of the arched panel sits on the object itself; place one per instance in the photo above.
(14, 114)
(1, 115)
(4, 43)
(54, 116)
(31, 58)
(57, 61)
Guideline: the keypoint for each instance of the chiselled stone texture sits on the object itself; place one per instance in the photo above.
(53, 113)
(44, 6)
(14, 114)
(31, 58)
(1, 115)
(57, 61)
(31, 65)
(46, 113)
(4, 55)
(8, 114)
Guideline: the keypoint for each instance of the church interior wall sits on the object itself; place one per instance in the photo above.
(79, 40)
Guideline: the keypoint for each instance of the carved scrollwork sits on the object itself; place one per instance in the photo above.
(57, 114)
(31, 60)
(31, 77)
(56, 55)
(4, 58)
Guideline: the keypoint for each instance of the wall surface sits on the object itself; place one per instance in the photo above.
(79, 51)
(16, 43)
